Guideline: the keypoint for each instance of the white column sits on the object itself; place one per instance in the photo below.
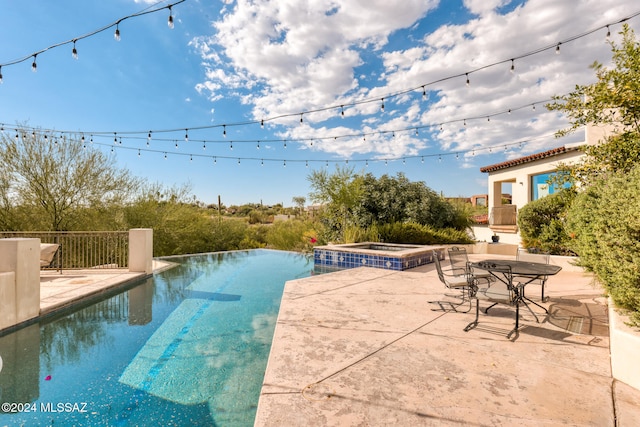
(22, 256)
(7, 299)
(141, 250)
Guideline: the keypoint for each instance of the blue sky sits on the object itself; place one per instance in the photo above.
(228, 65)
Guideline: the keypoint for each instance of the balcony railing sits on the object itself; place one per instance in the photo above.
(503, 218)
(83, 249)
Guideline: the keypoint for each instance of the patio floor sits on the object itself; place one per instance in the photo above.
(363, 347)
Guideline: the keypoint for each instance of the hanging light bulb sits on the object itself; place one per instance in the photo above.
(115, 138)
(417, 132)
(258, 146)
(558, 49)
(165, 156)
(0, 74)
(116, 35)
(261, 162)
(262, 123)
(513, 67)
(306, 163)
(90, 139)
(534, 107)
(176, 145)
(439, 158)
(186, 135)
(170, 21)
(138, 153)
(34, 66)
(608, 33)
(366, 163)
(285, 143)
(74, 51)
(191, 157)
(230, 145)
(238, 160)
(284, 163)
(149, 138)
(424, 93)
(488, 119)
(382, 105)
(422, 159)
(342, 111)
(224, 130)
(204, 145)
(215, 160)
(467, 74)
(301, 117)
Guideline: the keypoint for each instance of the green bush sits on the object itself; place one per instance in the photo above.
(412, 232)
(604, 222)
(541, 223)
(292, 235)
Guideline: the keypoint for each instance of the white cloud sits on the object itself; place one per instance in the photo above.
(293, 56)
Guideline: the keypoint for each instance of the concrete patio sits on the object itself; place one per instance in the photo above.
(363, 347)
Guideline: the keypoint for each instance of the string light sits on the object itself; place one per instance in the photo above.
(116, 35)
(608, 33)
(467, 74)
(513, 67)
(262, 123)
(224, 130)
(34, 66)
(170, 21)
(0, 74)
(424, 93)
(258, 146)
(342, 111)
(230, 145)
(301, 117)
(558, 48)
(186, 135)
(149, 138)
(74, 51)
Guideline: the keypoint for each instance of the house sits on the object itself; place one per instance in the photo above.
(526, 179)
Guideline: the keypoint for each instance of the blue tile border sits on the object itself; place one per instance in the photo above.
(344, 259)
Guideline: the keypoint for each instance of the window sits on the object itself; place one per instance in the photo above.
(540, 186)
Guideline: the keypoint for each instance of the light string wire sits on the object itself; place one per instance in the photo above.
(409, 129)
(440, 155)
(342, 106)
(94, 32)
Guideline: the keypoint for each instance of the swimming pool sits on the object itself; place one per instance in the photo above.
(188, 346)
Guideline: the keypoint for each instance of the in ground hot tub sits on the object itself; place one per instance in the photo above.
(390, 256)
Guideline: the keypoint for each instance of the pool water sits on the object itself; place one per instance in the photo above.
(188, 346)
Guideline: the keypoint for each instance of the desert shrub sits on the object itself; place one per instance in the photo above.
(293, 235)
(604, 222)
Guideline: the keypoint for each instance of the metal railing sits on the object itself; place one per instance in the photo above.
(82, 249)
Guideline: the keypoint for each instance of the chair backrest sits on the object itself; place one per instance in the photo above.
(458, 259)
(436, 261)
(526, 255)
(504, 270)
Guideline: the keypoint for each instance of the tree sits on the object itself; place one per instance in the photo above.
(613, 101)
(339, 193)
(48, 181)
(299, 201)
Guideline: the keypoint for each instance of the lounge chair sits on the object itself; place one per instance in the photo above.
(47, 253)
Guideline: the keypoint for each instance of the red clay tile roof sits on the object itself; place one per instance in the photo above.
(527, 159)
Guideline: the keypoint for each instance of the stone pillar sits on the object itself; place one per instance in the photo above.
(141, 250)
(22, 256)
(7, 299)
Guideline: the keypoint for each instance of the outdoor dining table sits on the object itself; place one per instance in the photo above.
(525, 270)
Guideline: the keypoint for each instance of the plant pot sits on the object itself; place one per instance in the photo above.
(495, 239)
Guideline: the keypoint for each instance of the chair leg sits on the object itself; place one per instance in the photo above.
(453, 306)
(515, 329)
(486, 310)
(475, 322)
